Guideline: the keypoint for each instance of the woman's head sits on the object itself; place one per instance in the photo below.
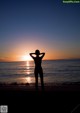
(37, 52)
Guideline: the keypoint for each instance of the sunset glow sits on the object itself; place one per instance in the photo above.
(27, 26)
(26, 58)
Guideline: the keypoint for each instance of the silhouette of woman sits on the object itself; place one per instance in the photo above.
(38, 68)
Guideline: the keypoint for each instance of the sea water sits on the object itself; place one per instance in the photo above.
(55, 71)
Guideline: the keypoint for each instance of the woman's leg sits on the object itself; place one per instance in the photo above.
(36, 79)
(41, 77)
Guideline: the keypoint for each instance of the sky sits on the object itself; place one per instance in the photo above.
(51, 26)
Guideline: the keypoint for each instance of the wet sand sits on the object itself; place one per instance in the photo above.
(68, 87)
(14, 87)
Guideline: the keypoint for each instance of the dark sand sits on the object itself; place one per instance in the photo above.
(68, 87)
(57, 99)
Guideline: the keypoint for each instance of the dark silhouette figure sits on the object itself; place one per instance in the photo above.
(38, 68)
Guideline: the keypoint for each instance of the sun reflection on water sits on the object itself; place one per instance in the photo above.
(28, 79)
(27, 67)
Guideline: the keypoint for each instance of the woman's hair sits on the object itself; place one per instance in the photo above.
(37, 52)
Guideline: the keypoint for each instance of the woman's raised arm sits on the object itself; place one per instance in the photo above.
(42, 55)
(31, 54)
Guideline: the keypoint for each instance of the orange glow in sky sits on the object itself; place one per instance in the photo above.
(49, 55)
(27, 26)
(26, 58)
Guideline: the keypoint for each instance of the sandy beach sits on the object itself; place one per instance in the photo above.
(24, 97)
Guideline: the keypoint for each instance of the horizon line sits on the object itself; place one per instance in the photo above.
(43, 60)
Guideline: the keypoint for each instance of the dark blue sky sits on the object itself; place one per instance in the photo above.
(49, 25)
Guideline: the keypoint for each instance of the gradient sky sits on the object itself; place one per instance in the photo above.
(48, 25)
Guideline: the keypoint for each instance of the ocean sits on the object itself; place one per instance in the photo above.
(55, 71)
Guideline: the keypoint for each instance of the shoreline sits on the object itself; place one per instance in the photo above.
(52, 87)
